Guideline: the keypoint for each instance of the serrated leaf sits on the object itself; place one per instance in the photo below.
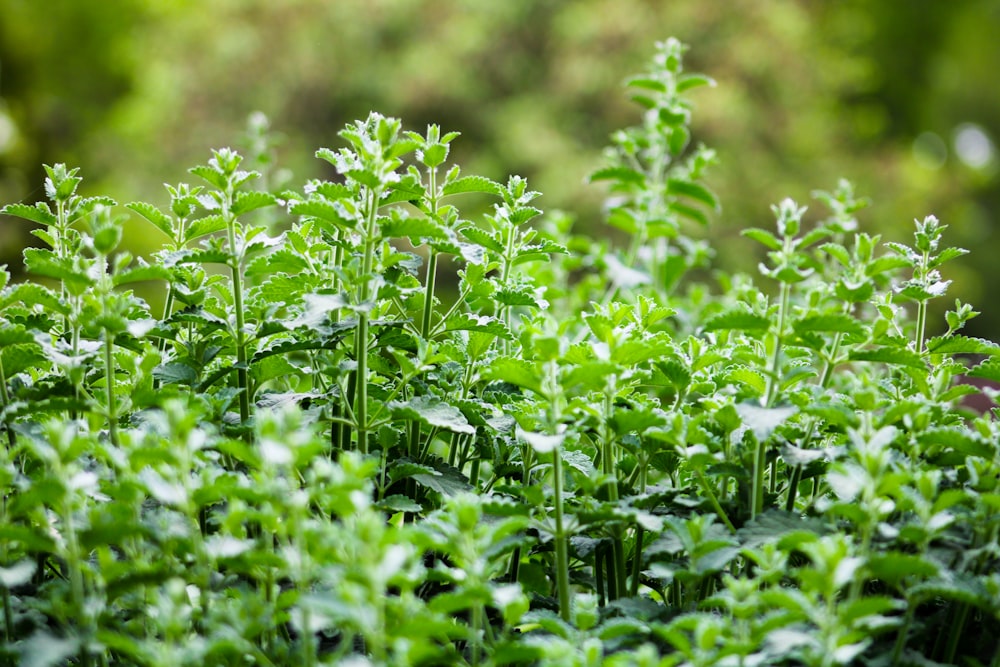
(471, 184)
(828, 323)
(445, 479)
(516, 296)
(398, 503)
(141, 273)
(176, 373)
(160, 220)
(521, 215)
(739, 320)
(958, 344)
(542, 443)
(204, 226)
(749, 377)
(894, 567)
(483, 238)
(210, 175)
(958, 439)
(988, 370)
(39, 213)
(484, 323)
(763, 421)
(251, 201)
(896, 356)
(20, 357)
(773, 524)
(414, 229)
(432, 412)
(514, 371)
(43, 262)
(946, 255)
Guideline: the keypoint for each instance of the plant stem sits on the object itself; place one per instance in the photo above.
(706, 487)
(109, 374)
(235, 265)
(562, 543)
(361, 342)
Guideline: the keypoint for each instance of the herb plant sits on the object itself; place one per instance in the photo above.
(579, 455)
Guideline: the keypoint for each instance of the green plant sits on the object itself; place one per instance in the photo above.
(322, 457)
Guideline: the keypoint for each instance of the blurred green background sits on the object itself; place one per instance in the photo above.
(899, 96)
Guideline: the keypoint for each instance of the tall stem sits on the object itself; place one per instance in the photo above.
(236, 262)
(361, 342)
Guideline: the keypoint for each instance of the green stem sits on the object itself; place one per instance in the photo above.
(715, 501)
(904, 630)
(240, 337)
(109, 381)
(562, 543)
(361, 347)
(5, 398)
(757, 492)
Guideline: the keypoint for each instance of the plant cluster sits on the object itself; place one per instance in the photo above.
(366, 429)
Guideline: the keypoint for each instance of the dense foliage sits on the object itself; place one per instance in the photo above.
(584, 456)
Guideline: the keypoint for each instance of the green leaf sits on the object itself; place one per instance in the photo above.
(433, 412)
(763, 421)
(894, 567)
(176, 373)
(484, 323)
(988, 370)
(20, 357)
(621, 174)
(471, 184)
(739, 320)
(445, 479)
(763, 237)
(829, 323)
(896, 356)
(515, 371)
(398, 503)
(43, 262)
(957, 439)
(688, 81)
(160, 220)
(958, 344)
(203, 226)
(774, 524)
(749, 377)
(522, 215)
(212, 176)
(483, 238)
(33, 294)
(251, 201)
(519, 295)
(415, 229)
(39, 213)
(692, 190)
(141, 273)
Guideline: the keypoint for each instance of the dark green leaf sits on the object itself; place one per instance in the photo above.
(622, 174)
(433, 412)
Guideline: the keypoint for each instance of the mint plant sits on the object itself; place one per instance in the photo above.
(314, 454)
